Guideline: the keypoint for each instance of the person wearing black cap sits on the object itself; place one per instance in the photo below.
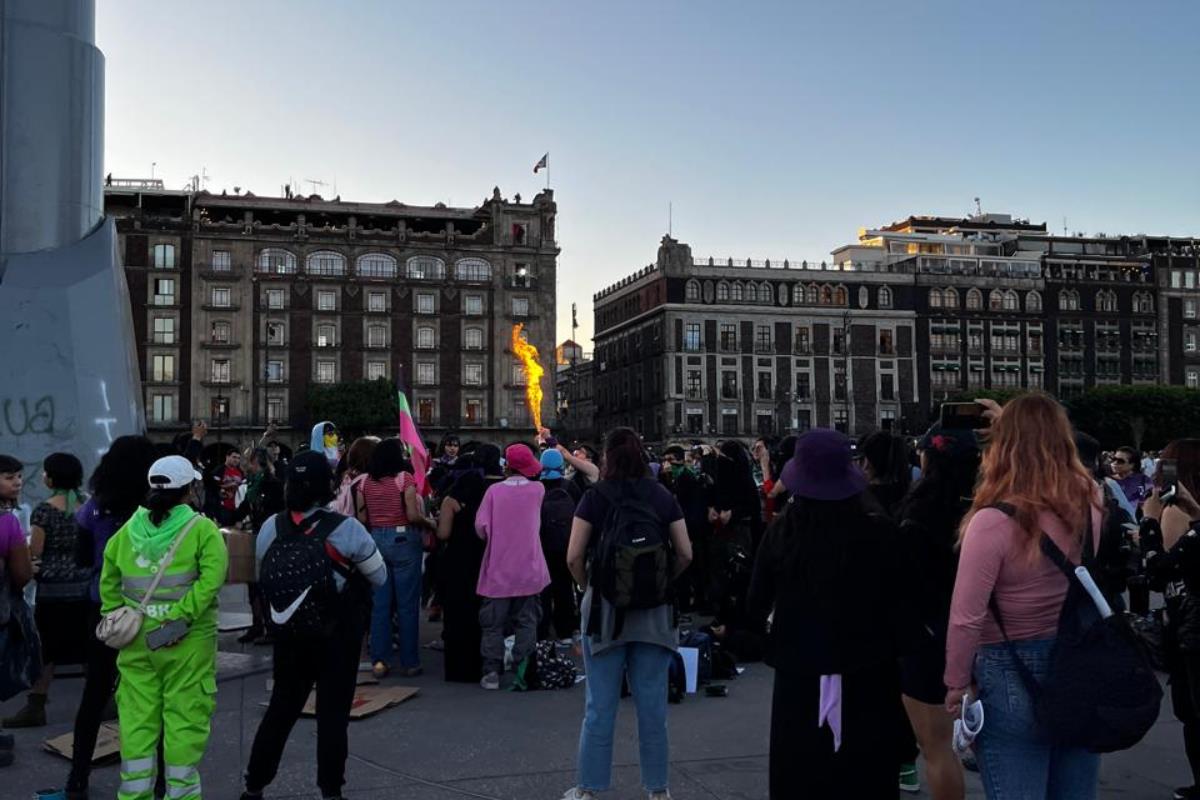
(826, 580)
(328, 661)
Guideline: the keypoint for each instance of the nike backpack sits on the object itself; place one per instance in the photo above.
(297, 577)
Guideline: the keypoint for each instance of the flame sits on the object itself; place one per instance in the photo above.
(527, 354)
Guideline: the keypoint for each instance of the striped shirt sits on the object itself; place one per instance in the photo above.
(384, 500)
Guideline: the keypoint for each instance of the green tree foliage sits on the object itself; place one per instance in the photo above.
(356, 408)
(1121, 415)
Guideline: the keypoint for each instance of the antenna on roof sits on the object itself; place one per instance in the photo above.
(978, 208)
(314, 184)
(1064, 226)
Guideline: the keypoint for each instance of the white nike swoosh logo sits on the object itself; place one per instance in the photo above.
(281, 617)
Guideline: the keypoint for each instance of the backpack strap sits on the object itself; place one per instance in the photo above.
(319, 525)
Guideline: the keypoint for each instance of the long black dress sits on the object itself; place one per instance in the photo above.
(459, 576)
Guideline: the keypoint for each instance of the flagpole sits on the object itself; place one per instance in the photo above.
(547, 172)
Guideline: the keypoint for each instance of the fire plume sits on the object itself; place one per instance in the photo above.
(527, 354)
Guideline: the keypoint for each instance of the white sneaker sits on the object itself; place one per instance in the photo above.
(575, 793)
(665, 794)
(491, 681)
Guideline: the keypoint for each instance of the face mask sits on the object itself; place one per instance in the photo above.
(681, 469)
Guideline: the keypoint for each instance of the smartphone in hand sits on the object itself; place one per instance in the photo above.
(963, 416)
(1168, 480)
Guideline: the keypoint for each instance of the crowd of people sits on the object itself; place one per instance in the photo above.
(893, 585)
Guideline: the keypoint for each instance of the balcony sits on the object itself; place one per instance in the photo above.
(224, 309)
(728, 346)
(1006, 350)
(945, 349)
(219, 345)
(377, 346)
(764, 348)
(220, 382)
(802, 348)
(210, 273)
(695, 394)
(326, 345)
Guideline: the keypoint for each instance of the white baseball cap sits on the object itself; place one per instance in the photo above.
(172, 472)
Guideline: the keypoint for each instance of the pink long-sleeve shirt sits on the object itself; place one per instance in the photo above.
(509, 520)
(1029, 593)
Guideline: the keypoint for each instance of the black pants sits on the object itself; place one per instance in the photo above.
(803, 762)
(1185, 702)
(332, 666)
(558, 600)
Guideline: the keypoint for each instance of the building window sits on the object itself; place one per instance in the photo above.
(164, 330)
(326, 335)
(376, 302)
(1033, 302)
(425, 411)
(219, 371)
(887, 346)
(695, 422)
(765, 294)
(884, 297)
(887, 419)
(376, 265)
(762, 339)
(164, 291)
(841, 420)
(995, 300)
(840, 297)
(326, 301)
(839, 340)
(1193, 379)
(764, 390)
(728, 336)
(520, 306)
(839, 384)
(1189, 309)
(274, 372)
(729, 424)
(518, 375)
(1189, 342)
(1143, 303)
(425, 338)
(694, 384)
(219, 408)
(473, 305)
(473, 414)
(425, 303)
(1106, 300)
(163, 408)
(473, 374)
(473, 270)
(1011, 301)
(691, 337)
(219, 333)
(425, 268)
(377, 336)
(426, 374)
(692, 291)
(722, 292)
(276, 262)
(803, 342)
(729, 386)
(974, 299)
(811, 294)
(275, 334)
(803, 386)
(326, 372)
(887, 386)
(164, 256)
(935, 298)
(473, 339)
(221, 297)
(220, 261)
(376, 370)
(274, 409)
(737, 292)
(1068, 300)
(162, 369)
(275, 298)
(326, 263)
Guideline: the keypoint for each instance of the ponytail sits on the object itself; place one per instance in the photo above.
(160, 503)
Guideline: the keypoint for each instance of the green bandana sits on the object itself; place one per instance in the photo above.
(152, 542)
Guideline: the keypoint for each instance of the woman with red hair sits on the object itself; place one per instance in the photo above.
(1031, 484)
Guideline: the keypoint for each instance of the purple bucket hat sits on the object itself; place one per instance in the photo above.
(823, 468)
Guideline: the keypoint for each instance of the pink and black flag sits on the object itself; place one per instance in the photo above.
(412, 437)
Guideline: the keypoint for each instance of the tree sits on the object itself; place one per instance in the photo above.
(356, 408)
(1122, 415)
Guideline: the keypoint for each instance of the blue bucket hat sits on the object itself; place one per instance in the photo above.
(552, 465)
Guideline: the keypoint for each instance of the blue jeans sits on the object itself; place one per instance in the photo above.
(402, 552)
(1015, 760)
(647, 666)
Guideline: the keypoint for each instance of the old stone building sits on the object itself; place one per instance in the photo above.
(242, 303)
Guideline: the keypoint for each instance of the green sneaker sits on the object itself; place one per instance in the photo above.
(909, 782)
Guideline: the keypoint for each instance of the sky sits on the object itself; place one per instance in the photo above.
(771, 130)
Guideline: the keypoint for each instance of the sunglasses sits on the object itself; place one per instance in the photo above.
(1120, 461)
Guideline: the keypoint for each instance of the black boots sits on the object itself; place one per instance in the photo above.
(33, 715)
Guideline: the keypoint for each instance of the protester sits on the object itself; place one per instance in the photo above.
(514, 572)
(1127, 469)
(682, 477)
(61, 609)
(884, 460)
(584, 470)
(327, 660)
(558, 509)
(634, 644)
(16, 568)
(167, 689)
(930, 515)
(735, 514)
(1031, 466)
(826, 578)
(221, 488)
(352, 471)
(390, 508)
(118, 486)
(462, 560)
(324, 439)
(264, 499)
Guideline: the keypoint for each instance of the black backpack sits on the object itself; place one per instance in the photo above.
(1100, 692)
(558, 512)
(632, 559)
(297, 578)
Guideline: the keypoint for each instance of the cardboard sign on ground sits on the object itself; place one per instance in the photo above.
(241, 556)
(368, 700)
(108, 744)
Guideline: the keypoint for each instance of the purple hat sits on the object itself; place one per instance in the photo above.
(823, 468)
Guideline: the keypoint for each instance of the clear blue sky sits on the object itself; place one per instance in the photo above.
(776, 129)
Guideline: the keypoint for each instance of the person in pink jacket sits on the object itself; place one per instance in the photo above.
(514, 571)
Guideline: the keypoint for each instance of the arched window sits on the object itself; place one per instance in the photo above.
(1033, 301)
(1106, 300)
(425, 338)
(826, 295)
(722, 292)
(376, 265)
(738, 292)
(974, 299)
(950, 298)
(936, 298)
(841, 296)
(1068, 300)
(425, 268)
(692, 291)
(325, 262)
(765, 295)
(798, 295)
(1143, 303)
(326, 335)
(811, 295)
(473, 339)
(276, 262)
(995, 300)
(475, 270)
(884, 297)
(377, 336)
(1011, 301)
